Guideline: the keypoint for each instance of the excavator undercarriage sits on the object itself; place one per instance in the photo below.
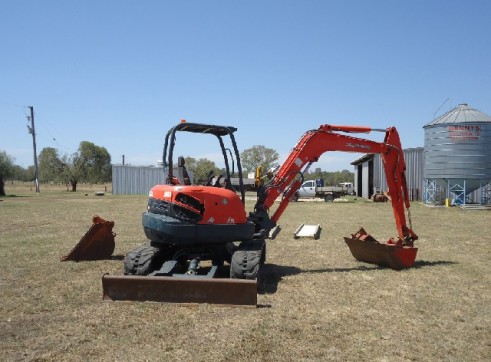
(190, 274)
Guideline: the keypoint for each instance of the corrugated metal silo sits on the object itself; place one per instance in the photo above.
(457, 154)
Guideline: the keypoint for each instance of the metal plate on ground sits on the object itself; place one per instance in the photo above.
(274, 231)
(182, 290)
(307, 231)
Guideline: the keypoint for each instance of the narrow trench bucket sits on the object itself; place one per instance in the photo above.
(97, 243)
(393, 255)
(182, 290)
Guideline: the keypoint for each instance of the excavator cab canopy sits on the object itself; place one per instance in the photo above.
(204, 128)
(218, 131)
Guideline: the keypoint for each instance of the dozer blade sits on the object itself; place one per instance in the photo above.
(183, 290)
(392, 254)
(96, 244)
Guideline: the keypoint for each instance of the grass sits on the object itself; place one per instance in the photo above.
(321, 304)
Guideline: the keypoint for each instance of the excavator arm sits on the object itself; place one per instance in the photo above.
(326, 138)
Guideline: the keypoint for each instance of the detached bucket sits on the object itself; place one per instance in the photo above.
(393, 255)
(96, 244)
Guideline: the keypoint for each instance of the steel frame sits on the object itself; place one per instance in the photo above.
(456, 190)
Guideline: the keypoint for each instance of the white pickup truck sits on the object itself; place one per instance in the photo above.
(310, 189)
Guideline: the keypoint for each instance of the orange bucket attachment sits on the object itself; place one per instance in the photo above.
(393, 254)
(96, 244)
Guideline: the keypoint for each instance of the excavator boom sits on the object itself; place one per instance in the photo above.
(397, 253)
(314, 143)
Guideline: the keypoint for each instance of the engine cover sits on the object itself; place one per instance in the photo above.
(195, 215)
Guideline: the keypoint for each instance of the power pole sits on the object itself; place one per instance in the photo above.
(32, 131)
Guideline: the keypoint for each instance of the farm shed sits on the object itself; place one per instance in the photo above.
(138, 180)
(370, 175)
(135, 180)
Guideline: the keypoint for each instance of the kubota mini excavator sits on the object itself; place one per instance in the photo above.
(188, 225)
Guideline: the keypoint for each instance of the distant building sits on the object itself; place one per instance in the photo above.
(370, 175)
(135, 180)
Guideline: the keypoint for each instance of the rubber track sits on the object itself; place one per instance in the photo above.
(139, 260)
(247, 259)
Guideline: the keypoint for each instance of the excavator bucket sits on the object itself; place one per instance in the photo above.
(393, 254)
(96, 244)
(182, 290)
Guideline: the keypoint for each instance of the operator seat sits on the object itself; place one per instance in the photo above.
(183, 173)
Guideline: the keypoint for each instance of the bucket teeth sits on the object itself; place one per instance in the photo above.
(393, 254)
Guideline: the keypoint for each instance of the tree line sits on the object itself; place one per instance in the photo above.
(90, 163)
(267, 158)
(250, 159)
(331, 178)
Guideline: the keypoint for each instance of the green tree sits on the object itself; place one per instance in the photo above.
(256, 156)
(30, 173)
(73, 170)
(6, 169)
(331, 178)
(91, 163)
(201, 168)
(51, 166)
(95, 162)
(22, 174)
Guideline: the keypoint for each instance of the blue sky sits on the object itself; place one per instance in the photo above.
(120, 73)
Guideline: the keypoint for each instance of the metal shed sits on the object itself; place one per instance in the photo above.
(370, 175)
(135, 180)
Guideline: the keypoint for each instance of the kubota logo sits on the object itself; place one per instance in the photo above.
(357, 145)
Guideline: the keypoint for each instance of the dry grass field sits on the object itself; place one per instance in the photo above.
(320, 304)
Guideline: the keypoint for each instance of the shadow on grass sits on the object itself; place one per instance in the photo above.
(424, 263)
(117, 257)
(271, 274)
(14, 196)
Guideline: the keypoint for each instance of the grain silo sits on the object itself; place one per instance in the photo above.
(457, 157)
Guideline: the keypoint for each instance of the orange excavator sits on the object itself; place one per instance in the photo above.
(195, 231)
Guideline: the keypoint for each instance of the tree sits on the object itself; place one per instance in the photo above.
(331, 178)
(201, 168)
(95, 162)
(50, 165)
(6, 170)
(91, 163)
(72, 170)
(22, 174)
(256, 156)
